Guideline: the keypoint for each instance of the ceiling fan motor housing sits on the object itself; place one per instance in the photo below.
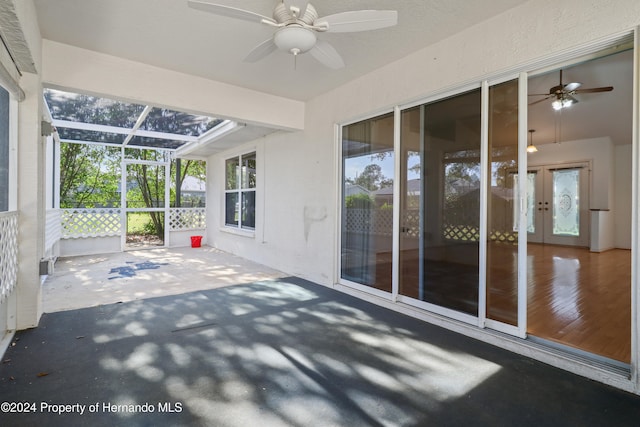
(295, 39)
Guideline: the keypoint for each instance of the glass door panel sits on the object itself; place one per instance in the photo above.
(367, 202)
(445, 186)
(502, 231)
(566, 221)
(557, 205)
(410, 270)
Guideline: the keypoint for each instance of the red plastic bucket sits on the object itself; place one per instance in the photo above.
(196, 241)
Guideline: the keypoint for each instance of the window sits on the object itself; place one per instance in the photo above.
(240, 191)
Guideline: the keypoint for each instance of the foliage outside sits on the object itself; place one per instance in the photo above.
(90, 178)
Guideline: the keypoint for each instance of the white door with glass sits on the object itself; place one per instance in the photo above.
(558, 204)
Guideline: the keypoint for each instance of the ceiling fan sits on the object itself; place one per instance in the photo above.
(563, 94)
(297, 24)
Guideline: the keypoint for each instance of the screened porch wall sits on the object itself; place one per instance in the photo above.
(98, 230)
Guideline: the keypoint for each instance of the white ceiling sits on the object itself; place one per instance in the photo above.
(604, 114)
(169, 34)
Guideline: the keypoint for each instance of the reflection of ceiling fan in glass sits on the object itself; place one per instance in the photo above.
(562, 94)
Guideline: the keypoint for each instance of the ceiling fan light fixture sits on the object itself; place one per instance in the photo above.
(295, 39)
(531, 148)
(563, 101)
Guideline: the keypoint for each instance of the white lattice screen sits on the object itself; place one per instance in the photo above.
(187, 219)
(379, 221)
(98, 222)
(8, 253)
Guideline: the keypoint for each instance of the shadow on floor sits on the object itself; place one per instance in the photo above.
(283, 352)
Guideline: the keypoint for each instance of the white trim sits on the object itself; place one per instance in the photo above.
(522, 184)
(225, 128)
(505, 328)
(116, 145)
(144, 209)
(145, 162)
(439, 310)
(441, 94)
(397, 178)
(123, 200)
(243, 232)
(167, 203)
(141, 118)
(635, 215)
(337, 186)
(13, 153)
(485, 181)
(122, 131)
(348, 284)
(239, 190)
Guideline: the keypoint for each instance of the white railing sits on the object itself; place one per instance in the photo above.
(8, 253)
(187, 219)
(97, 222)
(103, 222)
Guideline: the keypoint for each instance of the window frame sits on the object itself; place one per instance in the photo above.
(244, 187)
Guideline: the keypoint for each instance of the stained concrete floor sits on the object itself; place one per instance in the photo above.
(280, 351)
(87, 281)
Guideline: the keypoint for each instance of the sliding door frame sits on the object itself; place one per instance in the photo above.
(448, 318)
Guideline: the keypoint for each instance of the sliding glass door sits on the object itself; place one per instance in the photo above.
(446, 208)
(502, 204)
(440, 203)
(367, 203)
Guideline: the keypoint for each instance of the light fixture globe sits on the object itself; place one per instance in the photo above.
(295, 39)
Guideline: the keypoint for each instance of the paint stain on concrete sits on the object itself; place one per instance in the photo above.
(131, 270)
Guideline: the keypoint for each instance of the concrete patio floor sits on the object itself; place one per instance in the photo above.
(87, 281)
(275, 351)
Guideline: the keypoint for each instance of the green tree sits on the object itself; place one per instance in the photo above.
(372, 178)
(89, 175)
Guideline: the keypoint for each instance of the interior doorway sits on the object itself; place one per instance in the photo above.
(558, 204)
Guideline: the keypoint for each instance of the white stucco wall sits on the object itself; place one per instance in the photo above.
(30, 178)
(622, 204)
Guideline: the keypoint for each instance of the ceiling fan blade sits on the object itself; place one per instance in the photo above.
(539, 100)
(539, 94)
(260, 51)
(569, 87)
(228, 11)
(327, 55)
(300, 5)
(358, 20)
(595, 89)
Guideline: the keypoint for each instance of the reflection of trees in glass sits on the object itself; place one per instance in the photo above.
(89, 176)
(371, 178)
(359, 201)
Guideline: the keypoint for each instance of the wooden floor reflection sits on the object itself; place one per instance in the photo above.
(575, 297)
(580, 298)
